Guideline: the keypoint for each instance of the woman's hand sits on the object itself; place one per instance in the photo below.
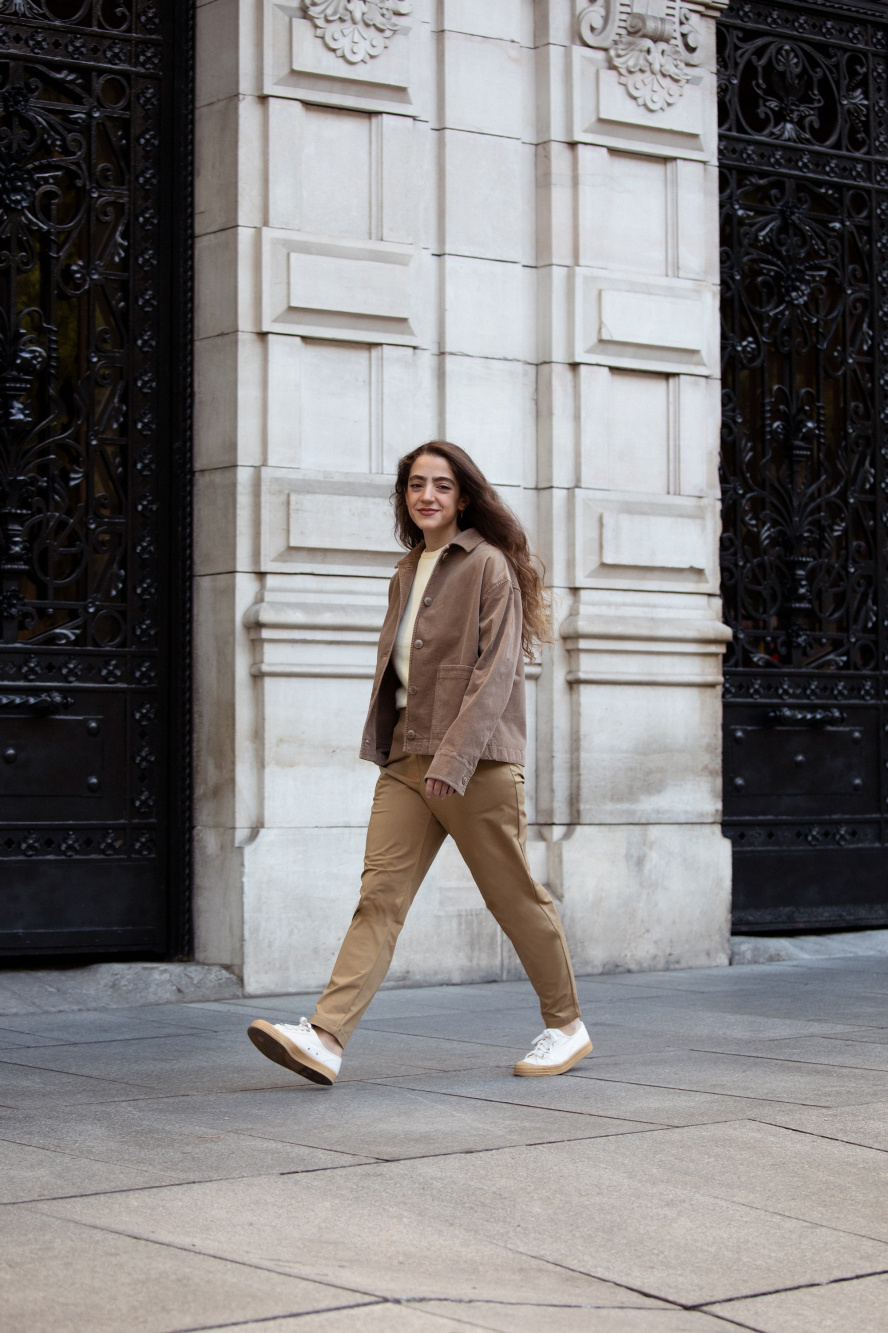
(438, 789)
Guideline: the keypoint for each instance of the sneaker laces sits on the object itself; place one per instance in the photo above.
(301, 1029)
(543, 1044)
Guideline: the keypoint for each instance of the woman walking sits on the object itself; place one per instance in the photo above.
(447, 728)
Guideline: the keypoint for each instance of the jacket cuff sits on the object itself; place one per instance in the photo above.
(452, 769)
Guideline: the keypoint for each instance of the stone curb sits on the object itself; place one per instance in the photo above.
(114, 985)
(804, 948)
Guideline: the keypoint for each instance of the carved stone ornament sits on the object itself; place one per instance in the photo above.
(357, 29)
(652, 44)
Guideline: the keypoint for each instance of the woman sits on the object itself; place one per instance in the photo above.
(447, 728)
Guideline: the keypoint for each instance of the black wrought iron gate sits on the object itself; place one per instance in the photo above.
(804, 170)
(94, 475)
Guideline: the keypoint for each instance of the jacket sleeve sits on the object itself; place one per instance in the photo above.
(489, 688)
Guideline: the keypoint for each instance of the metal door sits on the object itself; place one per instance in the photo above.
(804, 196)
(94, 482)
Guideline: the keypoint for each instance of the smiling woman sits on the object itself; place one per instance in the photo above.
(447, 727)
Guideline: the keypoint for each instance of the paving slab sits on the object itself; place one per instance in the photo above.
(298, 1128)
(161, 1141)
(671, 1024)
(24, 1084)
(382, 1231)
(28, 1173)
(128, 1024)
(442, 1226)
(518, 1318)
(864, 1125)
(380, 1318)
(842, 1307)
(602, 1098)
(447, 1316)
(173, 1065)
(59, 1277)
(725, 1145)
(837, 1185)
(835, 1052)
(743, 1076)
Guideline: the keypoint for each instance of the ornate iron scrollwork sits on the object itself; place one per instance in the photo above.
(806, 717)
(95, 325)
(78, 325)
(803, 277)
(39, 704)
(803, 91)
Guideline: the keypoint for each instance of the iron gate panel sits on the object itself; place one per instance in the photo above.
(803, 97)
(95, 318)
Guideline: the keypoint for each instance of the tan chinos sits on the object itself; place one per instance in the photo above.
(406, 830)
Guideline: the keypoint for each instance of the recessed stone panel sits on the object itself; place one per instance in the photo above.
(300, 63)
(645, 325)
(315, 526)
(622, 541)
(604, 112)
(320, 287)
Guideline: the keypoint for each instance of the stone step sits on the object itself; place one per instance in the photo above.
(113, 985)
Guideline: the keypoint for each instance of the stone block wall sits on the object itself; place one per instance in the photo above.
(492, 221)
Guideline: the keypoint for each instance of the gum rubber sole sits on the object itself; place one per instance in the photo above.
(275, 1046)
(525, 1070)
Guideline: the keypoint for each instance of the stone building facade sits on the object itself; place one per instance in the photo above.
(493, 221)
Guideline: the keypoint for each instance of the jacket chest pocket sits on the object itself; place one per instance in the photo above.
(450, 687)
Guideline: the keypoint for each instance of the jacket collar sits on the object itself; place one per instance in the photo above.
(466, 541)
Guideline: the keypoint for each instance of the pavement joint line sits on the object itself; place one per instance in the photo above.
(598, 1277)
(95, 1078)
(554, 1110)
(373, 1296)
(311, 1170)
(814, 1134)
(137, 1189)
(245, 1134)
(469, 1152)
(854, 1041)
(62, 1152)
(782, 1291)
(100, 1041)
(789, 1060)
(792, 1217)
(703, 1092)
(276, 1318)
(424, 1036)
(291, 1143)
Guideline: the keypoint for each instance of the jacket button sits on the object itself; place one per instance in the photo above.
(412, 690)
(427, 601)
(418, 643)
(411, 735)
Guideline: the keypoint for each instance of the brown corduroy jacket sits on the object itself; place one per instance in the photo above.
(465, 701)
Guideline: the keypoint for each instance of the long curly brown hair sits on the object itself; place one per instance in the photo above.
(496, 523)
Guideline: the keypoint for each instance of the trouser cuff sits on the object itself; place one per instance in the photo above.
(560, 1020)
(319, 1021)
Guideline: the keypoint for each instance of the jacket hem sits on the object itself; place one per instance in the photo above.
(498, 753)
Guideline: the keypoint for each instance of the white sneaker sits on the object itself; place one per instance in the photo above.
(297, 1047)
(554, 1053)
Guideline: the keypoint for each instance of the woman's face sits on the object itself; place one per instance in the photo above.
(433, 499)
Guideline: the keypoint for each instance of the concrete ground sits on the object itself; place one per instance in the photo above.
(720, 1161)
